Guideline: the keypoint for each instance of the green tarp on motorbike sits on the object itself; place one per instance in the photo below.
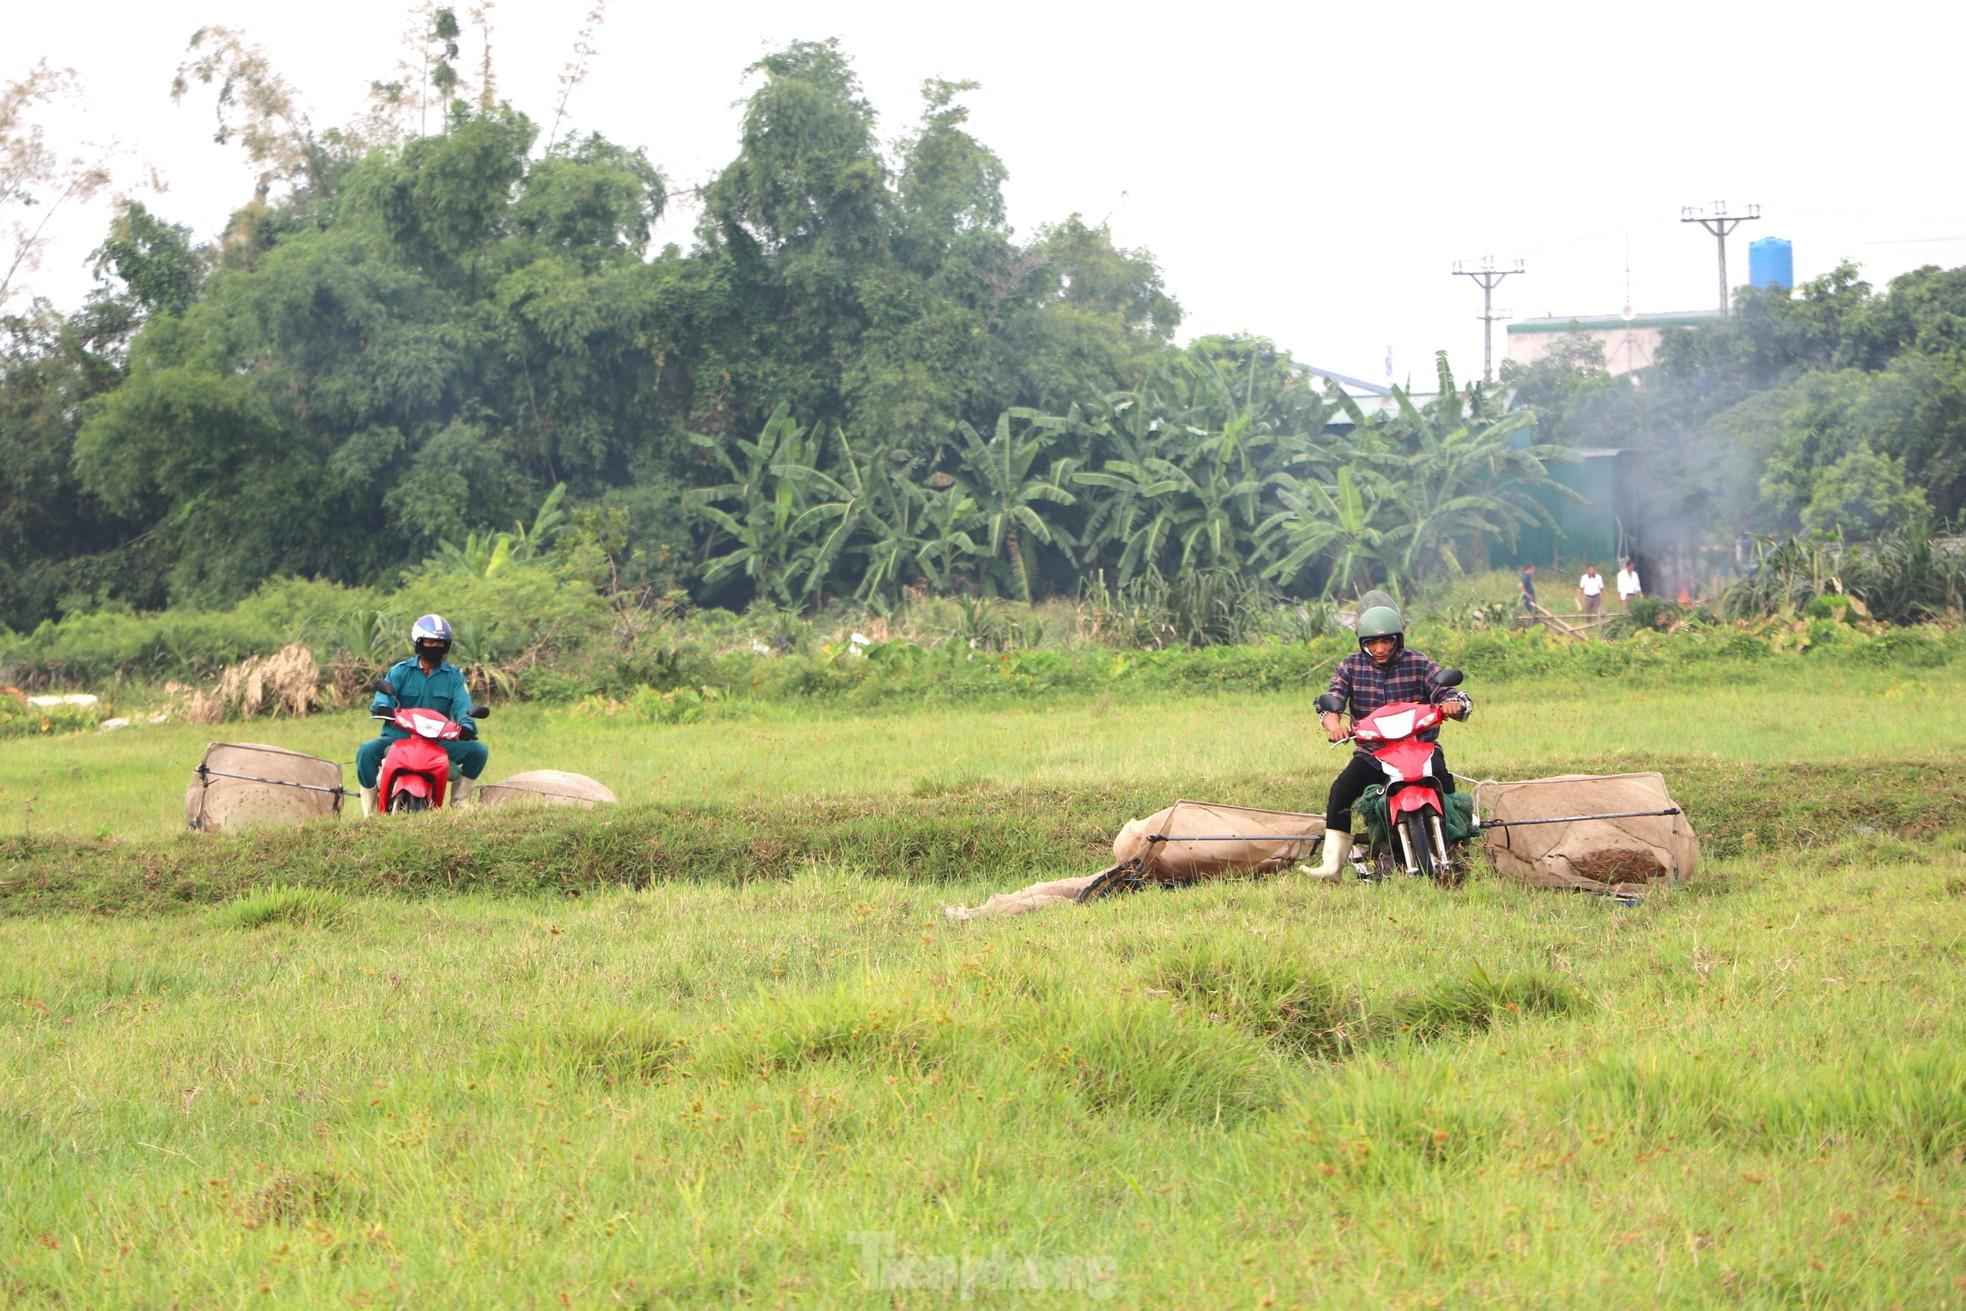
(1371, 807)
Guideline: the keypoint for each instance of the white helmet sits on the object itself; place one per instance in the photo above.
(432, 634)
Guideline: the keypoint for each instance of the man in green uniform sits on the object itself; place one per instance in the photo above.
(427, 680)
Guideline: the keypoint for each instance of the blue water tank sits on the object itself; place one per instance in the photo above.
(1771, 263)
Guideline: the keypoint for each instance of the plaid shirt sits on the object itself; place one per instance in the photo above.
(1367, 685)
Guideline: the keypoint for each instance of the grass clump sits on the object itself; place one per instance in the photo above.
(1261, 989)
(284, 904)
(1475, 1000)
(868, 1022)
(609, 1046)
(1147, 1056)
(294, 1201)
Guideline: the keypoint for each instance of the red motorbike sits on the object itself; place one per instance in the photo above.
(1400, 737)
(416, 770)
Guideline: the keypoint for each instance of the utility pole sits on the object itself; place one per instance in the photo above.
(1720, 223)
(1489, 277)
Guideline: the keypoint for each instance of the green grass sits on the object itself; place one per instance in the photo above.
(718, 1045)
(132, 783)
(1004, 835)
(705, 1094)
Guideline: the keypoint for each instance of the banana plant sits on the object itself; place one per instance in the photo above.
(867, 511)
(894, 539)
(829, 523)
(997, 475)
(763, 524)
(1333, 528)
(547, 521)
(950, 515)
(1140, 515)
(1463, 475)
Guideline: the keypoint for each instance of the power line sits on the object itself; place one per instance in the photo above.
(1720, 223)
(1489, 277)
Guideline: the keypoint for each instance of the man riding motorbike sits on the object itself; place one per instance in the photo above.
(1383, 671)
(426, 680)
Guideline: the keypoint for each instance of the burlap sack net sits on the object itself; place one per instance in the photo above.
(1615, 856)
(546, 787)
(280, 787)
(1151, 850)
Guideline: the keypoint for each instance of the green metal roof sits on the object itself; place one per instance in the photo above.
(1608, 323)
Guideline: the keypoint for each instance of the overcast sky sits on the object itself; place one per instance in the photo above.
(1305, 171)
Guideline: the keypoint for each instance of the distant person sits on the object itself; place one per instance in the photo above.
(1590, 588)
(1529, 589)
(1628, 584)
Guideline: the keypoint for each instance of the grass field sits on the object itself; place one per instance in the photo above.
(750, 1062)
(130, 783)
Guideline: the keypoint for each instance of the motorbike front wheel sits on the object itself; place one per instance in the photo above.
(404, 803)
(1420, 840)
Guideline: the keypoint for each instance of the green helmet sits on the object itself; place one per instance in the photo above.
(1382, 621)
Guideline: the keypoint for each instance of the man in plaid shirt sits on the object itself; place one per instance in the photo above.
(1382, 672)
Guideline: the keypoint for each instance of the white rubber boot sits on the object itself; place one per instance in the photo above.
(368, 802)
(461, 791)
(1337, 846)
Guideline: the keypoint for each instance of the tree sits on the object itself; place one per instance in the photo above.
(37, 181)
(62, 544)
(154, 260)
(1822, 468)
(257, 106)
(1863, 494)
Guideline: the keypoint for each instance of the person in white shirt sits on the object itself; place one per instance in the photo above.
(1627, 584)
(1591, 589)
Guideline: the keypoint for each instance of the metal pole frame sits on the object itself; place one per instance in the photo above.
(1479, 825)
(207, 773)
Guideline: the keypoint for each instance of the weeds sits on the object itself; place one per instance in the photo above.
(1906, 577)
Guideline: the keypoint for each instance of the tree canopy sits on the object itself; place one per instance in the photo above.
(435, 323)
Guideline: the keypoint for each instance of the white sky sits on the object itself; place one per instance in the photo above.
(1306, 171)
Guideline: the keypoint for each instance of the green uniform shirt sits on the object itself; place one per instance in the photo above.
(441, 690)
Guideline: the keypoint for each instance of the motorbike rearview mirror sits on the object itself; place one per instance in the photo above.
(1331, 703)
(1448, 678)
(384, 686)
(479, 712)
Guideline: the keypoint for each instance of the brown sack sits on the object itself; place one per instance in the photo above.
(1175, 861)
(213, 804)
(549, 787)
(1058, 892)
(1598, 855)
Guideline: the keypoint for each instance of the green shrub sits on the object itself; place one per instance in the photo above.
(19, 719)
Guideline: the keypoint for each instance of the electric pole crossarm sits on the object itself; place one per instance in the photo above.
(1488, 277)
(1720, 223)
